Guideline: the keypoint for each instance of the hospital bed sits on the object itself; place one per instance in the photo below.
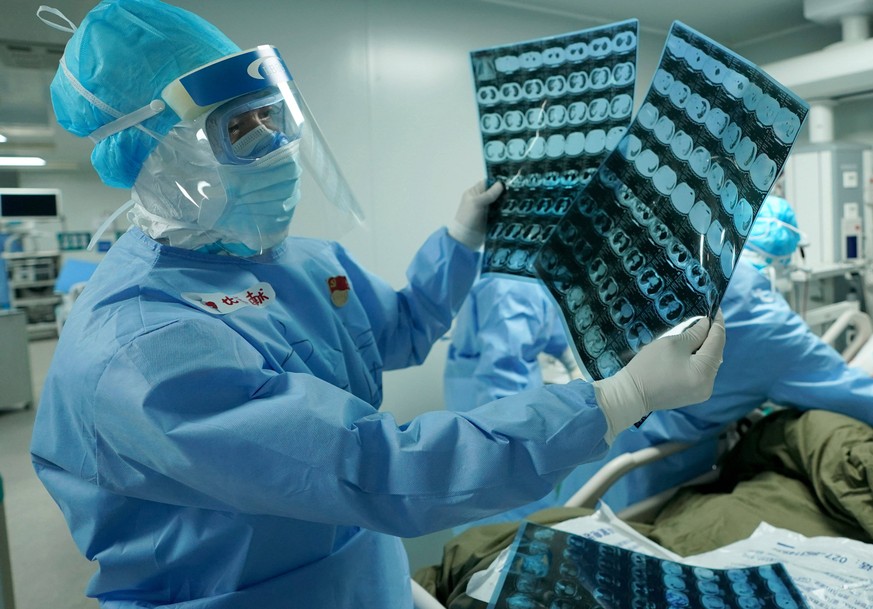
(592, 491)
(792, 471)
(853, 329)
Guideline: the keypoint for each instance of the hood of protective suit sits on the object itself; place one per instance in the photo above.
(118, 60)
(774, 235)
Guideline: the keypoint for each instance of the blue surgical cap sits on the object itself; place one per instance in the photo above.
(124, 53)
(774, 232)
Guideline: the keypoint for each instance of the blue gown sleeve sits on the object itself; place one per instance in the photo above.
(557, 344)
(408, 321)
(190, 415)
(804, 372)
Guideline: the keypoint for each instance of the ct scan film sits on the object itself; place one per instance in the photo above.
(550, 110)
(551, 569)
(651, 241)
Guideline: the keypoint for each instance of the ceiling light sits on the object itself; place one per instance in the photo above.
(21, 161)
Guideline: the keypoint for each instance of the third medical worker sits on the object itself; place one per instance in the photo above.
(209, 424)
(771, 357)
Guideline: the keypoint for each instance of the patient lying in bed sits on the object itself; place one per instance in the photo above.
(809, 472)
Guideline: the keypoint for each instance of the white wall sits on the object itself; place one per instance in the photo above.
(390, 84)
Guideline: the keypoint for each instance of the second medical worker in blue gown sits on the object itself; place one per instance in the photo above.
(500, 335)
(501, 332)
(209, 424)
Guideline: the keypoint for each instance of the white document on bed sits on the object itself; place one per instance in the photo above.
(830, 572)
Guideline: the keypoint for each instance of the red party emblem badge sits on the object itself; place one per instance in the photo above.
(339, 290)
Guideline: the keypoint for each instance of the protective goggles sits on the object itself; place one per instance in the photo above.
(247, 99)
(247, 128)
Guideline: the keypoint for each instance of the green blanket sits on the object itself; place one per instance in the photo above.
(810, 472)
(807, 472)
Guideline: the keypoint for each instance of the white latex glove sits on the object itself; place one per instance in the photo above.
(468, 227)
(670, 372)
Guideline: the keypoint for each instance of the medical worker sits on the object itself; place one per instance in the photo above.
(503, 328)
(773, 241)
(209, 424)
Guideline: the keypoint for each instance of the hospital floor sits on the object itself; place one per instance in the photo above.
(47, 570)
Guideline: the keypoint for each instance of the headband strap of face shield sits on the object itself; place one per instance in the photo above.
(122, 121)
(198, 91)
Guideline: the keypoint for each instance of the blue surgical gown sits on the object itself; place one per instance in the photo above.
(212, 448)
(501, 329)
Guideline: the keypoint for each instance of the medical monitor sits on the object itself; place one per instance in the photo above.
(30, 203)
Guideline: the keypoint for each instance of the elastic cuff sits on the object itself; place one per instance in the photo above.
(473, 239)
(621, 407)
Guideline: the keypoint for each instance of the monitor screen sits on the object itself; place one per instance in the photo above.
(29, 203)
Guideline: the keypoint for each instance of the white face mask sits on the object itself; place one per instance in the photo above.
(185, 198)
(259, 142)
(261, 197)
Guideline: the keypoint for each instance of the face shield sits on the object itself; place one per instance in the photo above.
(229, 175)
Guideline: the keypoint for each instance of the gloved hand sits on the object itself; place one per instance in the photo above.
(670, 372)
(468, 227)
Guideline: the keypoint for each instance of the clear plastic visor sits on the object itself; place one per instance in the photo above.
(269, 112)
(331, 210)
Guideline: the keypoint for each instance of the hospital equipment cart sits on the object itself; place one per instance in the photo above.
(16, 389)
(32, 277)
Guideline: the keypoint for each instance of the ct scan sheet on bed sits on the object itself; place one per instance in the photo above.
(830, 572)
(650, 238)
(549, 112)
(558, 570)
